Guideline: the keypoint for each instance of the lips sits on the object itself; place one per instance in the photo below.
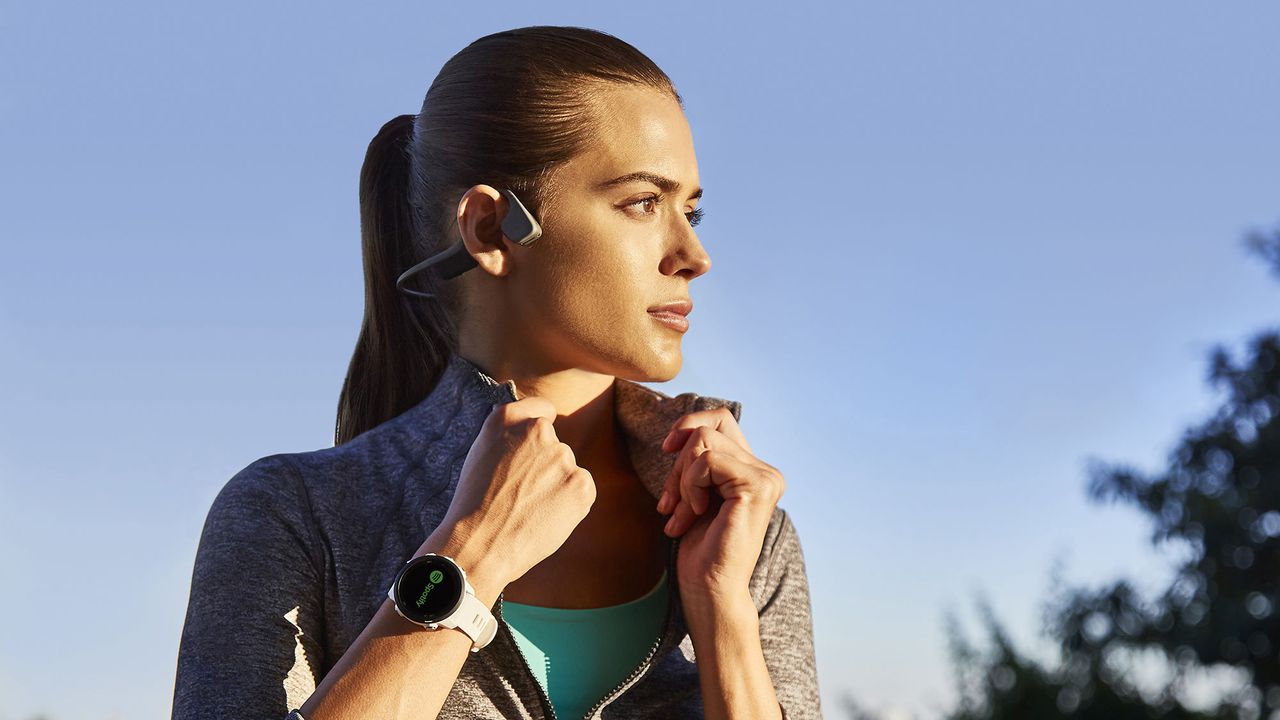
(673, 314)
(676, 307)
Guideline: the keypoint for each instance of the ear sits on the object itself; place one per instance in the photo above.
(480, 214)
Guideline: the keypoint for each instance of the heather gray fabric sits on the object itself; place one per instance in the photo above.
(298, 550)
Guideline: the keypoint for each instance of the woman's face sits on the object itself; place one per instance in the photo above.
(611, 249)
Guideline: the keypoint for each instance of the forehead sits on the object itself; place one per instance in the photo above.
(639, 128)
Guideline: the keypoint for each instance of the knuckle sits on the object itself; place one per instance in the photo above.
(586, 483)
(542, 429)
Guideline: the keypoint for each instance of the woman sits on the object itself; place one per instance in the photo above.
(621, 551)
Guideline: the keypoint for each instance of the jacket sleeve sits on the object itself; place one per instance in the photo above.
(786, 627)
(250, 645)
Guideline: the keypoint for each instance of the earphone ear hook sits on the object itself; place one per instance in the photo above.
(519, 226)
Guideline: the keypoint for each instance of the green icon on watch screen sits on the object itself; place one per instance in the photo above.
(435, 577)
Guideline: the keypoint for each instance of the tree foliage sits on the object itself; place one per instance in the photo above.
(1218, 498)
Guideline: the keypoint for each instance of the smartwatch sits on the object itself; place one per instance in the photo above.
(431, 590)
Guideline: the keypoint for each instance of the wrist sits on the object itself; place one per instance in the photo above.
(484, 571)
(720, 610)
(723, 599)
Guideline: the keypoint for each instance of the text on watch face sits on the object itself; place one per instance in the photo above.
(431, 588)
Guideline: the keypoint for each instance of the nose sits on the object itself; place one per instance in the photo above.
(688, 256)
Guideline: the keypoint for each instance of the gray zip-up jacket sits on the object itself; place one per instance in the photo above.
(298, 550)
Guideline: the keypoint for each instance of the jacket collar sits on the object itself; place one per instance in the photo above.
(644, 414)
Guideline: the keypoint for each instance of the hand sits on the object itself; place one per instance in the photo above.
(520, 488)
(721, 498)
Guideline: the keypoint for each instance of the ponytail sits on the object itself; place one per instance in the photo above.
(403, 345)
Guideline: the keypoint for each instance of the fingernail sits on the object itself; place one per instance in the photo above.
(662, 502)
(670, 522)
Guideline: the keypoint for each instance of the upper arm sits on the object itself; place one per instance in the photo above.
(786, 626)
(250, 645)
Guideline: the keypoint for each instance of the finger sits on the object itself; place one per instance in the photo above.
(526, 410)
(685, 513)
(700, 439)
(720, 419)
(684, 518)
(725, 476)
(679, 521)
(714, 474)
(696, 481)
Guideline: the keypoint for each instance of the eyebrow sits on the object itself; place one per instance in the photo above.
(665, 184)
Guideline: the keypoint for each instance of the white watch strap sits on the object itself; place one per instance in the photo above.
(474, 619)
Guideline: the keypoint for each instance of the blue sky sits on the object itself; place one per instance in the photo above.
(958, 250)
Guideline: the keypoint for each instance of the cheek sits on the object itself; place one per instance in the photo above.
(601, 286)
(615, 285)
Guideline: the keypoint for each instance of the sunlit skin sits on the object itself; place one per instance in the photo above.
(566, 315)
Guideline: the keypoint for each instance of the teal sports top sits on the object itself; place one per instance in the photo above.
(579, 654)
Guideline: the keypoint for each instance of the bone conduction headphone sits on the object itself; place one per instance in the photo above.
(519, 225)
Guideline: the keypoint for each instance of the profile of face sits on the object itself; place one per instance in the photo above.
(618, 240)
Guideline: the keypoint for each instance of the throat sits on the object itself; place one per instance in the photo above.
(615, 555)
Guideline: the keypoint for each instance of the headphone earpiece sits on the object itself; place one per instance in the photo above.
(519, 225)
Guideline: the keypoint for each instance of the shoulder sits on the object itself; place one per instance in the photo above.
(299, 490)
(362, 472)
(259, 484)
(261, 511)
(265, 500)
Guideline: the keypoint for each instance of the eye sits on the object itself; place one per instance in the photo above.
(655, 199)
(694, 216)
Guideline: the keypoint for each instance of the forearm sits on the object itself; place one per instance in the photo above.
(396, 669)
(731, 668)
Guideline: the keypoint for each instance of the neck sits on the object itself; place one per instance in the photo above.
(585, 412)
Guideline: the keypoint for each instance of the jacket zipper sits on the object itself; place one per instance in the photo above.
(542, 694)
(653, 649)
(615, 691)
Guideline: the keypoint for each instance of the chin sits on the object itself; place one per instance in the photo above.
(663, 366)
(631, 355)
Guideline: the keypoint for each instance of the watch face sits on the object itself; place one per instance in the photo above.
(430, 589)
